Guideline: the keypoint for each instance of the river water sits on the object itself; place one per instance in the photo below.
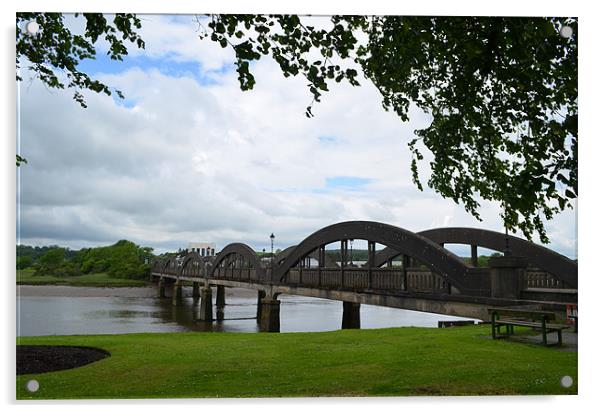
(56, 310)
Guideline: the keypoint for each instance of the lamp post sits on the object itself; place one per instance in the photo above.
(507, 250)
(272, 246)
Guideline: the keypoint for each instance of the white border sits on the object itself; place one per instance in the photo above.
(589, 173)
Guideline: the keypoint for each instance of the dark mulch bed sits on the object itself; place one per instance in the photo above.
(42, 359)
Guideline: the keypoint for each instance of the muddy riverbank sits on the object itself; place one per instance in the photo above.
(138, 292)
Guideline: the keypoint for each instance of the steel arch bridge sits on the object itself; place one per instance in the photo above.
(411, 270)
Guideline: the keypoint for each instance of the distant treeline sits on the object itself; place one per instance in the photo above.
(124, 259)
(36, 252)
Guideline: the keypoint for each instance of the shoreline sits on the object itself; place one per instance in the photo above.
(26, 290)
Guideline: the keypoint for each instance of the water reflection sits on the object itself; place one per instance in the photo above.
(111, 315)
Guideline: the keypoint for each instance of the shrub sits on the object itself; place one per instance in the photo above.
(24, 262)
(68, 269)
(51, 261)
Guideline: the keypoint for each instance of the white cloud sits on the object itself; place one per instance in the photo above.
(209, 162)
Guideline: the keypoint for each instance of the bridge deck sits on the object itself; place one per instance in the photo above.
(440, 303)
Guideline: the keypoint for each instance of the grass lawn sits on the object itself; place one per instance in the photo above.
(87, 280)
(382, 362)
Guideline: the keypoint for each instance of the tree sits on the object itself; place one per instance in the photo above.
(51, 261)
(24, 261)
(53, 53)
(502, 93)
(124, 259)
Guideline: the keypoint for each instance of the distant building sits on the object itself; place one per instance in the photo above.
(205, 249)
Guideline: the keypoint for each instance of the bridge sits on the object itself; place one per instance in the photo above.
(413, 271)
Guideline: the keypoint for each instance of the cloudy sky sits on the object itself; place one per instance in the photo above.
(188, 156)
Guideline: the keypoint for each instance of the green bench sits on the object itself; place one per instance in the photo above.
(510, 317)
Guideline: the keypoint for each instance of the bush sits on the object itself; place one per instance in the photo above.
(87, 266)
(124, 259)
(24, 262)
(100, 266)
(51, 261)
(68, 269)
(130, 270)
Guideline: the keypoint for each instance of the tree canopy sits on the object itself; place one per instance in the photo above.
(54, 52)
(502, 92)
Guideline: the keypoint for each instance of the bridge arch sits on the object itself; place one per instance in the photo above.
(171, 266)
(158, 265)
(281, 256)
(435, 257)
(242, 250)
(544, 258)
(195, 265)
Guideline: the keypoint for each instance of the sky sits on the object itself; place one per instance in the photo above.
(188, 157)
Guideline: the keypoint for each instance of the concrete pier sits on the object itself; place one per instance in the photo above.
(270, 316)
(219, 314)
(260, 296)
(220, 298)
(351, 315)
(176, 298)
(196, 290)
(206, 310)
(162, 287)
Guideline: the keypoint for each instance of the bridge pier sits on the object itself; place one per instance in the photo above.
(161, 287)
(176, 298)
(196, 290)
(220, 298)
(260, 296)
(351, 315)
(206, 313)
(270, 315)
(219, 314)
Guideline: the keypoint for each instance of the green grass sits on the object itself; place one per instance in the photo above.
(87, 280)
(383, 362)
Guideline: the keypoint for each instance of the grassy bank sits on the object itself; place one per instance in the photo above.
(383, 362)
(87, 280)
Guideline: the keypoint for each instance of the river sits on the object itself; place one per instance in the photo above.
(58, 310)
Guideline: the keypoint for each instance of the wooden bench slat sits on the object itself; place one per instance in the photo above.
(522, 313)
(549, 327)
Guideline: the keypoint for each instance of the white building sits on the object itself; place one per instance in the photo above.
(205, 249)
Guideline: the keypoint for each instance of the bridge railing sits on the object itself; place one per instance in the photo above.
(157, 267)
(416, 279)
(354, 279)
(388, 279)
(536, 278)
(422, 280)
(237, 274)
(193, 269)
(171, 270)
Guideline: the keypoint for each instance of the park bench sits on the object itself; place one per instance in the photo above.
(574, 318)
(536, 319)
